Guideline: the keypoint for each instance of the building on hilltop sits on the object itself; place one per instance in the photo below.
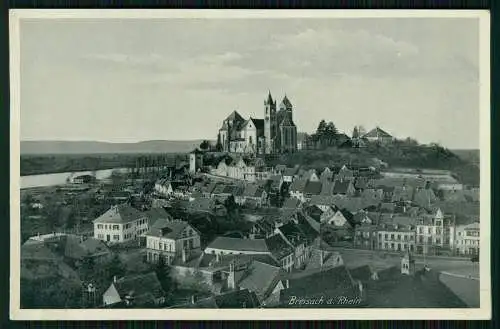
(378, 135)
(276, 133)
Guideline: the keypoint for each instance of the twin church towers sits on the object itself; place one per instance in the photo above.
(276, 133)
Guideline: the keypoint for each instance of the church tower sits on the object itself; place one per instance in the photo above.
(269, 123)
(286, 106)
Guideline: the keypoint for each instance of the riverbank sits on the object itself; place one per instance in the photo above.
(62, 163)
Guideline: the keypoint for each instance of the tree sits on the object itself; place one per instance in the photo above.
(320, 131)
(162, 271)
(205, 145)
(115, 267)
(331, 133)
(218, 146)
(355, 132)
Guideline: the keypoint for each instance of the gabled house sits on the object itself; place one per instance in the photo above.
(312, 188)
(343, 187)
(300, 239)
(164, 187)
(396, 233)
(341, 218)
(262, 228)
(297, 189)
(323, 257)
(121, 223)
(378, 135)
(326, 175)
(171, 239)
(365, 236)
(281, 251)
(254, 195)
(140, 290)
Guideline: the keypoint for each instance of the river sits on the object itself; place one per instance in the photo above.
(46, 180)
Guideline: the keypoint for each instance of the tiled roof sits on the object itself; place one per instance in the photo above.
(122, 213)
(341, 187)
(292, 233)
(330, 259)
(168, 229)
(298, 185)
(144, 287)
(278, 247)
(313, 188)
(260, 278)
(236, 244)
(314, 212)
(154, 214)
(376, 132)
(235, 116)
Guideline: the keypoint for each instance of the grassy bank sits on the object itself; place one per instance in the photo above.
(57, 163)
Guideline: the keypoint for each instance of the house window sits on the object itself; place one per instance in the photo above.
(386, 236)
(392, 237)
(160, 245)
(184, 243)
(392, 246)
(116, 237)
(99, 226)
(399, 236)
(100, 236)
(115, 227)
(438, 230)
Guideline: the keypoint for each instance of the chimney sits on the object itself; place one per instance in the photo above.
(114, 279)
(184, 255)
(193, 299)
(231, 281)
(287, 284)
(217, 258)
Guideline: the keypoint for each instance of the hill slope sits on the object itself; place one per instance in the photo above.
(89, 147)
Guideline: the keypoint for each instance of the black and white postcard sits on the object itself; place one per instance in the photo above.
(250, 164)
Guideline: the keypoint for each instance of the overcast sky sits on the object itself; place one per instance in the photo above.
(177, 79)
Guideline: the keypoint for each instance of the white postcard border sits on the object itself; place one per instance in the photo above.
(484, 312)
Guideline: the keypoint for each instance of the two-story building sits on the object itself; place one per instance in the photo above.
(171, 239)
(430, 233)
(121, 223)
(396, 234)
(467, 239)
